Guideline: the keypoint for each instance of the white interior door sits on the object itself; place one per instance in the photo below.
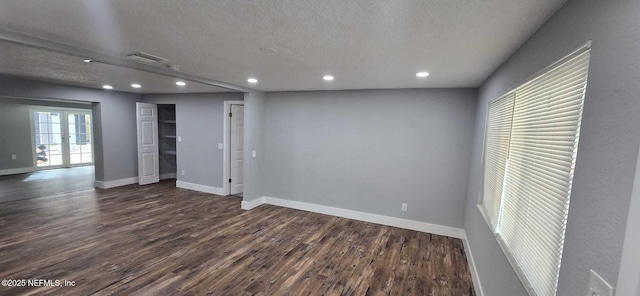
(147, 121)
(237, 149)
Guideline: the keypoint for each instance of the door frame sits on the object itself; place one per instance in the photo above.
(226, 150)
(64, 126)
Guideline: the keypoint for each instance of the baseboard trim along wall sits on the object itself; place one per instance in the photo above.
(115, 183)
(248, 205)
(356, 215)
(472, 267)
(179, 184)
(198, 187)
(16, 171)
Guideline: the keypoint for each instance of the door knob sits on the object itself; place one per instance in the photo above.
(145, 149)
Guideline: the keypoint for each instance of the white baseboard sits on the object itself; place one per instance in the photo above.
(98, 184)
(16, 171)
(248, 205)
(198, 187)
(472, 267)
(115, 183)
(127, 181)
(362, 216)
(168, 176)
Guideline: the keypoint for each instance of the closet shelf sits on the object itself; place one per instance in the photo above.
(169, 136)
(170, 152)
(169, 121)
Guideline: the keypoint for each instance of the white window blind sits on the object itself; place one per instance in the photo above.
(498, 132)
(532, 213)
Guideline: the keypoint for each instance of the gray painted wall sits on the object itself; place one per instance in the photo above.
(629, 275)
(608, 146)
(46, 103)
(15, 130)
(254, 112)
(114, 117)
(199, 121)
(98, 143)
(371, 150)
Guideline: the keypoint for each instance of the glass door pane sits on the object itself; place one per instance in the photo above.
(48, 138)
(80, 138)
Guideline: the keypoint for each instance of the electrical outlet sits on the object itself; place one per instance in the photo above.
(220, 146)
(404, 207)
(183, 172)
(14, 157)
(598, 286)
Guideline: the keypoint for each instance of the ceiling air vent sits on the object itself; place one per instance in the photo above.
(145, 57)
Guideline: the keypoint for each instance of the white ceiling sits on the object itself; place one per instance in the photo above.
(290, 45)
(35, 63)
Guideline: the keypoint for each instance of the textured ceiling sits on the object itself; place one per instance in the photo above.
(290, 45)
(40, 64)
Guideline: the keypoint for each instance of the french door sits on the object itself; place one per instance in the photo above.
(62, 138)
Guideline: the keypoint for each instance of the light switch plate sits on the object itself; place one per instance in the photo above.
(179, 139)
(219, 145)
(253, 154)
(14, 157)
(598, 286)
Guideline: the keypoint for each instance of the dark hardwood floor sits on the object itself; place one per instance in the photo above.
(45, 183)
(159, 240)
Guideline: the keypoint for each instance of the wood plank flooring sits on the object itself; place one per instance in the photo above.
(159, 240)
(45, 183)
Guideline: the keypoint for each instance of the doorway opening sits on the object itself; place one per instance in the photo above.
(62, 138)
(167, 141)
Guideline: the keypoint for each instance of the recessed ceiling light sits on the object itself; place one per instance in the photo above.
(180, 83)
(422, 74)
(87, 60)
(252, 80)
(135, 85)
(106, 86)
(328, 77)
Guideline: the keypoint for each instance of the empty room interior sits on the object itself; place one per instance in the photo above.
(331, 147)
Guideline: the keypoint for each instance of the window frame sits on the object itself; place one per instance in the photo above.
(480, 205)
